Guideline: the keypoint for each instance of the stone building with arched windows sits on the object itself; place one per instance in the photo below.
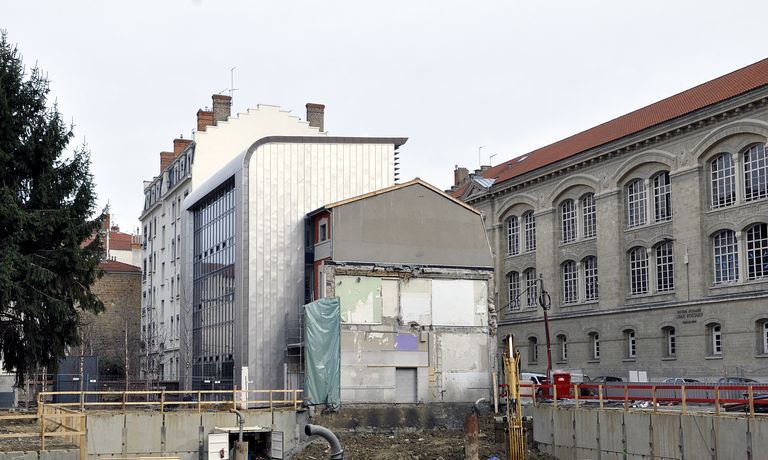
(649, 233)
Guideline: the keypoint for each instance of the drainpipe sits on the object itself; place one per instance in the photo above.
(337, 453)
(240, 422)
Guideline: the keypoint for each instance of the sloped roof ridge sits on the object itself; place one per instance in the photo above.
(730, 85)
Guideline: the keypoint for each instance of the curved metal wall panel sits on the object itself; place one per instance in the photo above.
(285, 182)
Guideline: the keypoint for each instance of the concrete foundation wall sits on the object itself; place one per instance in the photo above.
(57, 454)
(176, 434)
(614, 434)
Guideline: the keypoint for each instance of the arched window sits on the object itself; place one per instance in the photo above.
(594, 345)
(665, 267)
(638, 271)
(589, 215)
(662, 197)
(531, 287)
(636, 203)
(630, 343)
(513, 236)
(568, 221)
(514, 290)
(570, 282)
(533, 350)
(723, 180)
(714, 339)
(670, 342)
(755, 173)
(757, 251)
(562, 348)
(726, 257)
(529, 223)
(590, 278)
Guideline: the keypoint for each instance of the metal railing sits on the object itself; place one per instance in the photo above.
(166, 400)
(736, 398)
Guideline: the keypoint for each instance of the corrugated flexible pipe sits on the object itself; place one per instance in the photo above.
(337, 453)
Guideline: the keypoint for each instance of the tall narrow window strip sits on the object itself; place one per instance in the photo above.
(594, 339)
(631, 344)
(514, 291)
(765, 337)
(726, 257)
(531, 287)
(533, 350)
(529, 222)
(662, 197)
(757, 252)
(562, 345)
(671, 342)
(589, 215)
(638, 271)
(755, 173)
(570, 282)
(590, 278)
(568, 221)
(636, 203)
(513, 236)
(665, 267)
(717, 339)
(723, 180)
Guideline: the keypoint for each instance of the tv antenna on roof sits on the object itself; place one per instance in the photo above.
(232, 88)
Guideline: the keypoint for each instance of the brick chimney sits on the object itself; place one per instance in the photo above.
(316, 115)
(460, 176)
(222, 107)
(204, 119)
(165, 159)
(179, 145)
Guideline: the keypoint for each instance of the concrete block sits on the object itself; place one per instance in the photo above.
(563, 433)
(758, 427)
(697, 436)
(586, 444)
(731, 435)
(25, 455)
(105, 433)
(637, 427)
(60, 454)
(666, 435)
(143, 433)
(182, 432)
(611, 439)
(542, 424)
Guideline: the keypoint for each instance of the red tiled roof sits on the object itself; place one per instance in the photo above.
(113, 266)
(730, 85)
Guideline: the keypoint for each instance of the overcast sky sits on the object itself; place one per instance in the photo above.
(451, 76)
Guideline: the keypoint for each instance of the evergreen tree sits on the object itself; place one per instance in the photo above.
(48, 254)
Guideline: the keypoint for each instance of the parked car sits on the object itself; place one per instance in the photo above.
(531, 377)
(680, 381)
(736, 381)
(606, 379)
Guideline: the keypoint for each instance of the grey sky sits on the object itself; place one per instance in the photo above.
(452, 76)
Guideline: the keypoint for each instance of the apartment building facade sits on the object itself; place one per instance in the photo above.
(649, 234)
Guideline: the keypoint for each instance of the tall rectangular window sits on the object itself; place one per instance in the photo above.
(757, 251)
(662, 197)
(589, 215)
(636, 203)
(638, 271)
(529, 221)
(513, 236)
(590, 278)
(671, 342)
(755, 173)
(594, 342)
(531, 287)
(665, 268)
(723, 180)
(570, 282)
(716, 337)
(514, 291)
(726, 257)
(568, 221)
(631, 343)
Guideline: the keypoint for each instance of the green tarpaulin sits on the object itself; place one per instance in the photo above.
(322, 345)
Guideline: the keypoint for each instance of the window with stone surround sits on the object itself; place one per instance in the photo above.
(570, 280)
(594, 345)
(638, 271)
(714, 339)
(670, 342)
(662, 197)
(761, 328)
(665, 267)
(636, 202)
(568, 221)
(533, 350)
(529, 224)
(562, 348)
(757, 251)
(755, 173)
(513, 236)
(630, 343)
(723, 173)
(531, 287)
(513, 283)
(589, 215)
(726, 257)
(590, 278)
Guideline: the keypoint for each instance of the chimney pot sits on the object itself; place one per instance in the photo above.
(316, 115)
(204, 119)
(166, 158)
(179, 145)
(222, 107)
